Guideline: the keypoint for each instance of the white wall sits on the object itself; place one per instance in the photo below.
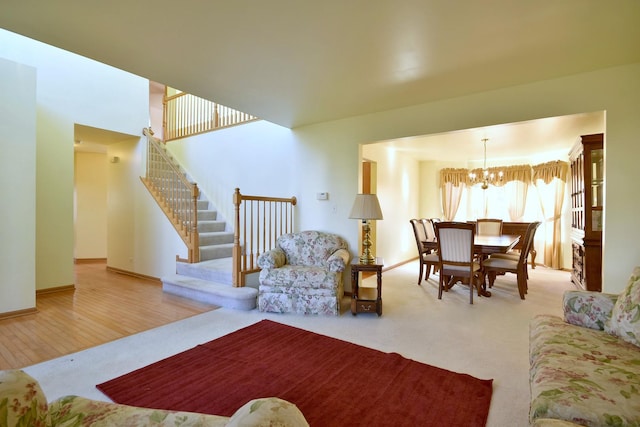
(90, 197)
(18, 189)
(615, 90)
(399, 192)
(70, 89)
(266, 159)
(258, 158)
(326, 156)
(140, 238)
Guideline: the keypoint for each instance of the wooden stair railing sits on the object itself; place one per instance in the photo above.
(176, 196)
(186, 115)
(258, 223)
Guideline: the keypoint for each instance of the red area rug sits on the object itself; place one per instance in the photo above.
(333, 382)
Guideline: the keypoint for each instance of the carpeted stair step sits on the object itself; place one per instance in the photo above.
(208, 226)
(224, 250)
(215, 270)
(207, 215)
(210, 292)
(215, 238)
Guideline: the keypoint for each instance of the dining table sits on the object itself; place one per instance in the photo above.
(483, 246)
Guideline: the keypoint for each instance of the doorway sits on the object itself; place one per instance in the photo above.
(369, 186)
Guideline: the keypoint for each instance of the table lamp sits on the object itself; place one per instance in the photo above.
(366, 208)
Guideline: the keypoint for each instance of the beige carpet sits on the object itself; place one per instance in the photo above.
(488, 339)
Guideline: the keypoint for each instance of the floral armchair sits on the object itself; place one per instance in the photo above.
(303, 274)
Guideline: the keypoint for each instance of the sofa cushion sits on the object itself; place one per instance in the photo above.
(588, 309)
(314, 302)
(550, 422)
(268, 412)
(70, 411)
(625, 318)
(22, 401)
(300, 278)
(582, 375)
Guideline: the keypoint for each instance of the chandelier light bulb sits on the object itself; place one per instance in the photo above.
(487, 177)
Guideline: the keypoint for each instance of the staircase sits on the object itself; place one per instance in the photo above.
(210, 279)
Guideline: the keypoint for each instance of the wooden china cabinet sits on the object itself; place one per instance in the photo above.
(587, 186)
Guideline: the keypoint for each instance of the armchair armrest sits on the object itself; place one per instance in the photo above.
(588, 309)
(274, 258)
(338, 260)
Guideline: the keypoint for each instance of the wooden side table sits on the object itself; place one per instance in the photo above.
(366, 300)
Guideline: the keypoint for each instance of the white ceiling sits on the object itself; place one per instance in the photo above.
(95, 140)
(532, 141)
(298, 62)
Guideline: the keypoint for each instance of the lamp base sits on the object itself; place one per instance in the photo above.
(366, 257)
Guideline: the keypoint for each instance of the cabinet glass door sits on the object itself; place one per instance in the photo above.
(597, 188)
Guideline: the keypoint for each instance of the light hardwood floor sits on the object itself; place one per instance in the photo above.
(104, 306)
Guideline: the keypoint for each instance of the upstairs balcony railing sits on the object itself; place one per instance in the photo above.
(187, 115)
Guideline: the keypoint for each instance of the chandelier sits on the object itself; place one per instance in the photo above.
(485, 177)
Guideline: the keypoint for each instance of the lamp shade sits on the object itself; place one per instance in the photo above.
(366, 206)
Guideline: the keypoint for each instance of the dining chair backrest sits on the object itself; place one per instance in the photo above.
(489, 226)
(455, 246)
(428, 227)
(528, 240)
(420, 234)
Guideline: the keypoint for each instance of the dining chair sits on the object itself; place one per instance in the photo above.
(489, 226)
(427, 258)
(500, 265)
(527, 246)
(456, 252)
(428, 227)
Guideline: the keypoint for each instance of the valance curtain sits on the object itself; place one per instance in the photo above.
(550, 179)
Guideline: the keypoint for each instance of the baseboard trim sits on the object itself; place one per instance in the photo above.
(399, 264)
(89, 260)
(18, 313)
(136, 275)
(55, 290)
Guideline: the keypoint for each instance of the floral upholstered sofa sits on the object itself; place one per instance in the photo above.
(303, 274)
(585, 369)
(23, 404)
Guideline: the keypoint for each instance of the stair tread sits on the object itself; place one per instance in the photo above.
(218, 245)
(242, 298)
(215, 270)
(211, 287)
(217, 233)
(218, 264)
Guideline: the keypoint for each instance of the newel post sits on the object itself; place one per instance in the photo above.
(195, 236)
(237, 199)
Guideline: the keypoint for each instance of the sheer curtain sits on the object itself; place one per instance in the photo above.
(550, 180)
(518, 180)
(452, 185)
